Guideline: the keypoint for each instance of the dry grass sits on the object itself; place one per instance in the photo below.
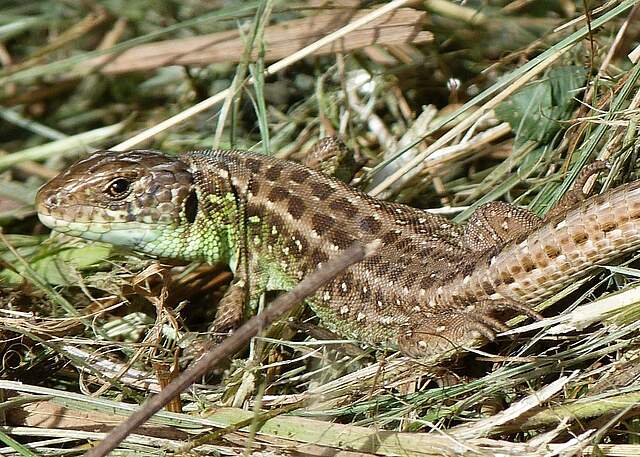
(507, 101)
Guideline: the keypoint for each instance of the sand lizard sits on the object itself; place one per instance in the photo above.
(433, 284)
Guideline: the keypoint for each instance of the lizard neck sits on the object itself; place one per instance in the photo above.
(210, 237)
(216, 233)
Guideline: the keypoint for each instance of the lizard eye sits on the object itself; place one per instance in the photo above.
(118, 188)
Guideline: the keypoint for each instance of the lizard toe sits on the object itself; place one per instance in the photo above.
(486, 325)
(491, 306)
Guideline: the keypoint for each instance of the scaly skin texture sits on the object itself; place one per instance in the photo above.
(433, 284)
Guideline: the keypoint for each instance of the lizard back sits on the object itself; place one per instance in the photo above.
(296, 218)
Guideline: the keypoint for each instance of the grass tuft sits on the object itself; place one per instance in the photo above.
(448, 105)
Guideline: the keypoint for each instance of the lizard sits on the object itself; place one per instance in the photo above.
(431, 287)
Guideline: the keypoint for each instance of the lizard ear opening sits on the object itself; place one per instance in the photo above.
(191, 207)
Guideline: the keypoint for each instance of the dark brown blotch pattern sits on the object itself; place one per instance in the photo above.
(318, 256)
(277, 194)
(506, 278)
(299, 175)
(370, 225)
(273, 172)
(322, 223)
(296, 207)
(527, 264)
(254, 186)
(390, 237)
(255, 210)
(427, 281)
(340, 238)
(321, 189)
(487, 287)
(344, 206)
(254, 165)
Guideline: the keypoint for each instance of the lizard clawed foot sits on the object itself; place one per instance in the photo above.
(448, 332)
(230, 313)
(204, 343)
(462, 326)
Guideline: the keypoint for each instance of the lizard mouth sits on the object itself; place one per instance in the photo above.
(129, 234)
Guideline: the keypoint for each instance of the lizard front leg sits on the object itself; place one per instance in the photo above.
(240, 300)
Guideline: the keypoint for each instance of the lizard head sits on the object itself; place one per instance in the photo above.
(126, 199)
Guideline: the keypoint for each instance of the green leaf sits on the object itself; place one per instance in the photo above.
(535, 112)
(60, 267)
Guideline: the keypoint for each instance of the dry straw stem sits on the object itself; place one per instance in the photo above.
(449, 9)
(466, 123)
(486, 426)
(528, 71)
(281, 40)
(63, 410)
(68, 147)
(271, 69)
(83, 27)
